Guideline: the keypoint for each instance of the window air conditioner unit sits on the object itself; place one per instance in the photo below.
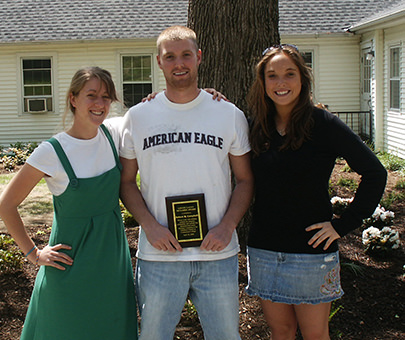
(36, 105)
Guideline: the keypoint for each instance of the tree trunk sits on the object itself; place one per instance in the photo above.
(232, 35)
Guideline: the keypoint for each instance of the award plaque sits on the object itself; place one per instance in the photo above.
(187, 218)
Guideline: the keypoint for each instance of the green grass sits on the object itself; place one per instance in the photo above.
(39, 207)
(334, 309)
(400, 185)
(355, 268)
(40, 203)
(391, 198)
(394, 196)
(348, 183)
(4, 179)
(391, 162)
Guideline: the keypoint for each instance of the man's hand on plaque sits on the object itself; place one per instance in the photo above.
(217, 238)
(161, 238)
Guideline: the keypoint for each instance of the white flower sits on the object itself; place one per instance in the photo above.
(378, 211)
(380, 240)
(370, 233)
(386, 230)
(340, 200)
(384, 239)
(386, 215)
(335, 199)
(395, 237)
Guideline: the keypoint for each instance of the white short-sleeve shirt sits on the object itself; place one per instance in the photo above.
(184, 149)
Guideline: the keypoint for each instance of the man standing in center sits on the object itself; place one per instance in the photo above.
(185, 143)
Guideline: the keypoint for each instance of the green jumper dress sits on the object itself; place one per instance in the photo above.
(94, 298)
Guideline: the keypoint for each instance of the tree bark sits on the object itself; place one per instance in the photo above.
(232, 35)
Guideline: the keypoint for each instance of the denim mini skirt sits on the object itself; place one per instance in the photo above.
(293, 278)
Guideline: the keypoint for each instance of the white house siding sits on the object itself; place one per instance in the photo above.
(336, 69)
(11, 123)
(394, 121)
(67, 59)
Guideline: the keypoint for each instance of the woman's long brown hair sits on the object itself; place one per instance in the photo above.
(262, 109)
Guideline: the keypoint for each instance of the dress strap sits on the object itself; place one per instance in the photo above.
(108, 135)
(73, 181)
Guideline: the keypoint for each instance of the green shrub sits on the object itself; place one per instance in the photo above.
(129, 220)
(29, 147)
(7, 162)
(346, 168)
(381, 243)
(5, 241)
(127, 217)
(190, 310)
(10, 257)
(331, 189)
(16, 154)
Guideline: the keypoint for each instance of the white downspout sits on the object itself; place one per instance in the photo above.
(379, 115)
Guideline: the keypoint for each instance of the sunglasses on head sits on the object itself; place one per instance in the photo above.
(279, 47)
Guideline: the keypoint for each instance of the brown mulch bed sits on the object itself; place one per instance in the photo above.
(372, 308)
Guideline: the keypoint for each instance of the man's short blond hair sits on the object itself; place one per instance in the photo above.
(176, 33)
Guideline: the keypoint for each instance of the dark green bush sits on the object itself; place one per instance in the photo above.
(11, 258)
(127, 217)
(16, 154)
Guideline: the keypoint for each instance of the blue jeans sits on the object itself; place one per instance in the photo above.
(162, 289)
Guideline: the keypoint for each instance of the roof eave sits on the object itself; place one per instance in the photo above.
(316, 35)
(80, 41)
(390, 20)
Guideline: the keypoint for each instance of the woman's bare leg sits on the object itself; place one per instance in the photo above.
(313, 320)
(281, 319)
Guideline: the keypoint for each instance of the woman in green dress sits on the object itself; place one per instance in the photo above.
(84, 288)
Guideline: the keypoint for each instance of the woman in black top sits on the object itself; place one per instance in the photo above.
(292, 248)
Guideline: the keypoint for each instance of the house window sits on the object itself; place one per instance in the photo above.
(137, 78)
(367, 63)
(395, 84)
(308, 57)
(37, 85)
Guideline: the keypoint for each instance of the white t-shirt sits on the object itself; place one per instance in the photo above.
(184, 149)
(89, 158)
